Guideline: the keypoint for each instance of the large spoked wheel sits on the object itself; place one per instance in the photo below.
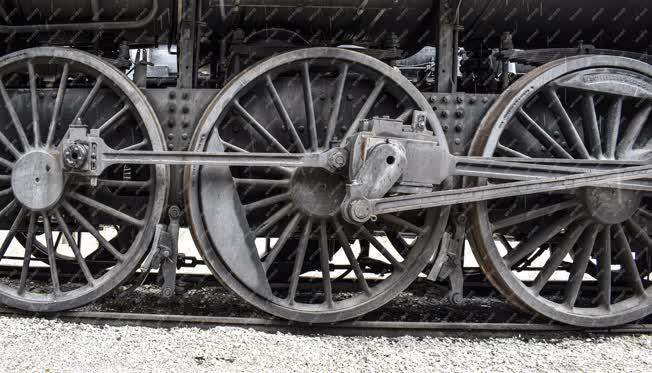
(58, 227)
(582, 257)
(275, 235)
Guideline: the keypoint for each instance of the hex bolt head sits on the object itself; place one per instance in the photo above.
(337, 160)
(360, 210)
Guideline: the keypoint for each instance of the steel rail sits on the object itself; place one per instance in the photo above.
(351, 328)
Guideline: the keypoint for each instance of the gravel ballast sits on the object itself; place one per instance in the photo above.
(56, 346)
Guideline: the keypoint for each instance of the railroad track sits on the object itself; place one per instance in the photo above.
(353, 328)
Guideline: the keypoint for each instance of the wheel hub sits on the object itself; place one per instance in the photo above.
(317, 192)
(609, 205)
(37, 180)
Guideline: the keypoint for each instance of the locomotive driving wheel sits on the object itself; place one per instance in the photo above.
(276, 236)
(45, 92)
(581, 257)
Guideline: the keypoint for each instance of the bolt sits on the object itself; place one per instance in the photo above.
(458, 141)
(171, 122)
(473, 100)
(458, 128)
(186, 123)
(184, 136)
(360, 210)
(459, 113)
(170, 146)
(433, 99)
(172, 95)
(174, 212)
(170, 136)
(445, 99)
(444, 113)
(41, 94)
(485, 99)
(185, 95)
(460, 100)
(167, 292)
(185, 109)
(337, 160)
(172, 108)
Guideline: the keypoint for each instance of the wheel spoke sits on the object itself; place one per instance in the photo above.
(268, 260)
(31, 233)
(590, 120)
(527, 247)
(337, 104)
(52, 257)
(114, 119)
(324, 260)
(258, 127)
(604, 265)
(92, 230)
(267, 183)
(36, 122)
(624, 256)
(14, 116)
(533, 214)
(640, 235)
(298, 260)
(613, 127)
(12, 232)
(580, 262)
(366, 108)
(401, 223)
(511, 152)
(541, 135)
(9, 208)
(282, 111)
(344, 241)
(106, 209)
(381, 249)
(270, 201)
(136, 146)
(75, 249)
(89, 99)
(557, 256)
(310, 106)
(633, 131)
(275, 218)
(12, 149)
(566, 124)
(5, 192)
(57, 105)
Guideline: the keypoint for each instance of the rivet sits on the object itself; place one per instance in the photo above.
(170, 146)
(185, 95)
(172, 95)
(184, 136)
(186, 123)
(458, 141)
(460, 100)
(172, 108)
(170, 136)
(185, 109)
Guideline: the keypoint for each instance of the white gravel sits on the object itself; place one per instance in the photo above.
(54, 346)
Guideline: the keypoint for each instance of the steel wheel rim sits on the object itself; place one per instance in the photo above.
(116, 83)
(202, 139)
(482, 237)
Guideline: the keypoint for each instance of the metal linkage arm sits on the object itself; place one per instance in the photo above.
(180, 158)
(483, 193)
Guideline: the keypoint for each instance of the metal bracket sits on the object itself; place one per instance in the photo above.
(449, 262)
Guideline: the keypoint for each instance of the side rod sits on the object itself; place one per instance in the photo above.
(512, 189)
